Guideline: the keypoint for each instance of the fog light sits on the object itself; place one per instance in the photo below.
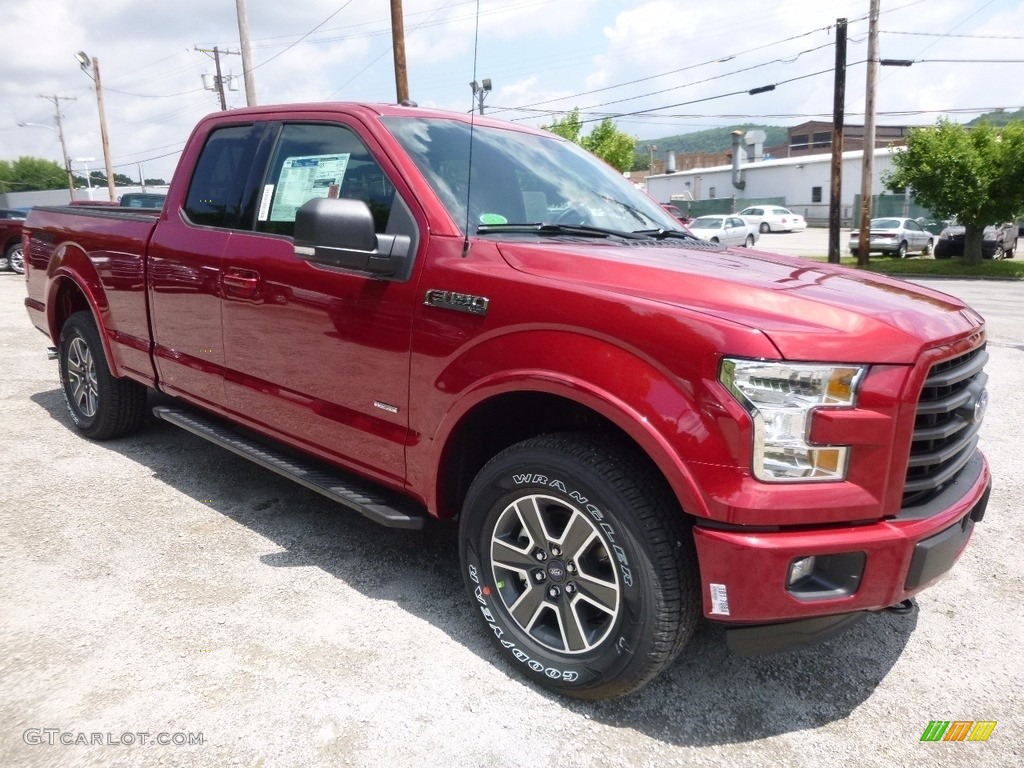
(800, 568)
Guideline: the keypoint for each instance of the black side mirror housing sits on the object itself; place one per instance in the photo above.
(339, 232)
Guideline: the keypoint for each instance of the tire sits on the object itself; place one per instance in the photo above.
(562, 515)
(101, 405)
(749, 242)
(764, 228)
(901, 252)
(15, 259)
(1013, 250)
(928, 248)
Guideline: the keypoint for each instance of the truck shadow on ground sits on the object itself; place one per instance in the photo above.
(708, 697)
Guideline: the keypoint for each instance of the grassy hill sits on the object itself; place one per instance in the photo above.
(999, 118)
(720, 139)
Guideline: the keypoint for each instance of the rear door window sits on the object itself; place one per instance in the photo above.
(218, 182)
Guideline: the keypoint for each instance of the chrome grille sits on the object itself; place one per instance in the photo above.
(946, 426)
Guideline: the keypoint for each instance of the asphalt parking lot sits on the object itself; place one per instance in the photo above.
(158, 585)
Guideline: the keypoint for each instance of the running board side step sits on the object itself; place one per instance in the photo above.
(360, 495)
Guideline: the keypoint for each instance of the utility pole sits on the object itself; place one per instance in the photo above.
(651, 149)
(243, 37)
(867, 169)
(218, 83)
(398, 46)
(84, 61)
(838, 116)
(60, 135)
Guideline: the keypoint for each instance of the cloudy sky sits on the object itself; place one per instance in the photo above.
(661, 67)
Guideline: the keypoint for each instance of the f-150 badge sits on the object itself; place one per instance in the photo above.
(461, 302)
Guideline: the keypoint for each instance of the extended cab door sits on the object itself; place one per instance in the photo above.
(184, 270)
(318, 355)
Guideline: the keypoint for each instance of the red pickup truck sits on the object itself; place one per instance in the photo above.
(428, 315)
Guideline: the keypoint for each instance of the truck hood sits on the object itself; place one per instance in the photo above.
(808, 310)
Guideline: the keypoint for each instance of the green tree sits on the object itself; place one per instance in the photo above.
(29, 174)
(606, 141)
(973, 174)
(569, 127)
(611, 145)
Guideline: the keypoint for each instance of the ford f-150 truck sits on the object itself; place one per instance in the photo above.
(426, 315)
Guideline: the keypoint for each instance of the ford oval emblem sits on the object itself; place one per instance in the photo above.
(980, 406)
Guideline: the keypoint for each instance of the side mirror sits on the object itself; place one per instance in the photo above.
(340, 233)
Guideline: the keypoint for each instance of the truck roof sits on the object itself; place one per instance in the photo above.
(368, 110)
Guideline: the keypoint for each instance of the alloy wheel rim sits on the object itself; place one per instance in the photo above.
(82, 378)
(555, 574)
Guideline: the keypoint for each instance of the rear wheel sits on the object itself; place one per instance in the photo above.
(101, 405)
(901, 252)
(15, 259)
(749, 242)
(579, 560)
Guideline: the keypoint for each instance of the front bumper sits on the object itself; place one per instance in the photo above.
(744, 572)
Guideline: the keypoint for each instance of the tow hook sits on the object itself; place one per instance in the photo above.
(901, 608)
(51, 353)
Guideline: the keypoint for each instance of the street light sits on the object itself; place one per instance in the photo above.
(94, 75)
(63, 150)
(480, 92)
(85, 161)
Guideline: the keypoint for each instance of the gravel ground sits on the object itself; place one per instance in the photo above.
(160, 585)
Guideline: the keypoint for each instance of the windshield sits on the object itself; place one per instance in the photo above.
(521, 178)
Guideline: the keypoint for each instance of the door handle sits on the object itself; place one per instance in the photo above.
(241, 282)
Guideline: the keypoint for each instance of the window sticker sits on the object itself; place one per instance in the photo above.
(268, 195)
(303, 178)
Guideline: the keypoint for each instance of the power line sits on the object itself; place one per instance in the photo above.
(314, 29)
(688, 67)
(949, 34)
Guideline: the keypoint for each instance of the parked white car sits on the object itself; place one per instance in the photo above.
(727, 230)
(772, 218)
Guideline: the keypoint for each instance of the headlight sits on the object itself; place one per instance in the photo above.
(781, 397)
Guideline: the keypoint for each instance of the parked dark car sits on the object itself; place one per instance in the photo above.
(10, 240)
(999, 241)
(143, 200)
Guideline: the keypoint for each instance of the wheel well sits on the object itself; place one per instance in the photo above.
(69, 299)
(506, 420)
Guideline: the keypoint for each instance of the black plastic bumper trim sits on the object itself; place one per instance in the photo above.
(936, 554)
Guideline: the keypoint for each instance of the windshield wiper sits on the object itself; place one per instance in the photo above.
(580, 230)
(663, 234)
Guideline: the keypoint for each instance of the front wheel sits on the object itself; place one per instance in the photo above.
(928, 248)
(16, 259)
(764, 228)
(579, 560)
(101, 405)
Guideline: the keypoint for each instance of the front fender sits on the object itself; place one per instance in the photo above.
(673, 420)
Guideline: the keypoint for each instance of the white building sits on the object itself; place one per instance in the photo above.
(803, 182)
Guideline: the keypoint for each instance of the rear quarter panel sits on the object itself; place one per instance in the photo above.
(100, 253)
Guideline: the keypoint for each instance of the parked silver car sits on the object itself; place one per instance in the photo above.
(896, 236)
(727, 230)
